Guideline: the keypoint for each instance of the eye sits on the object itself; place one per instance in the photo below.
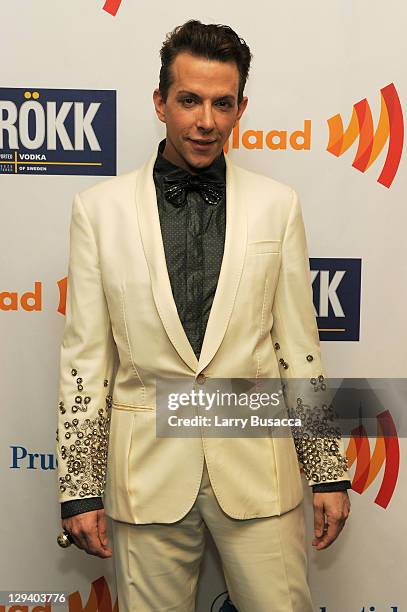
(224, 104)
(188, 101)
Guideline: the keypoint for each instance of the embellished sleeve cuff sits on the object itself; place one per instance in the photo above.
(327, 487)
(77, 506)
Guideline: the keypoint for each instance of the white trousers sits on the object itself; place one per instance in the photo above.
(264, 560)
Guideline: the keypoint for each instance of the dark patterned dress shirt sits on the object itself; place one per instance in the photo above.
(193, 236)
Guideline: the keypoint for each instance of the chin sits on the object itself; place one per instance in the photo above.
(201, 161)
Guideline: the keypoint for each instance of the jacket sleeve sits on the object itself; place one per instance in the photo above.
(87, 359)
(317, 440)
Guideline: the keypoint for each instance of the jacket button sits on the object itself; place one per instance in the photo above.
(200, 378)
(310, 358)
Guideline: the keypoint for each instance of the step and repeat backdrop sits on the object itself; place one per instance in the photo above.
(326, 115)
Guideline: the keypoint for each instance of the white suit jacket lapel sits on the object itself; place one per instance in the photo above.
(231, 269)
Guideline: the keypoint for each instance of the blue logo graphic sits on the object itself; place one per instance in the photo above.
(336, 290)
(57, 131)
(22, 458)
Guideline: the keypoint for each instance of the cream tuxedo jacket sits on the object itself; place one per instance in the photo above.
(122, 331)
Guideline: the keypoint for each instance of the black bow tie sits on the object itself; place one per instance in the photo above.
(175, 189)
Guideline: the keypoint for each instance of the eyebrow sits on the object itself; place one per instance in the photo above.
(194, 95)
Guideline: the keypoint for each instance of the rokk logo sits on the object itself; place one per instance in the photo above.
(386, 451)
(57, 131)
(371, 142)
(336, 291)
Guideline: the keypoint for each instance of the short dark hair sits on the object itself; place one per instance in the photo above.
(212, 41)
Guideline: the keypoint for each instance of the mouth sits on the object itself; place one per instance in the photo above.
(201, 144)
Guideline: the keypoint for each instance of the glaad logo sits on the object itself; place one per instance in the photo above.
(62, 286)
(371, 142)
(112, 6)
(274, 139)
(368, 465)
(222, 603)
(336, 291)
(29, 300)
(57, 131)
(99, 599)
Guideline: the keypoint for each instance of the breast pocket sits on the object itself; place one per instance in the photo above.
(260, 247)
(258, 283)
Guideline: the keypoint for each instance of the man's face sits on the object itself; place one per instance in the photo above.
(201, 110)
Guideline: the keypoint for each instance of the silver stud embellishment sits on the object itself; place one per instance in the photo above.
(85, 456)
(317, 439)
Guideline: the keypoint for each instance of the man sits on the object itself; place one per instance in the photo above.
(191, 267)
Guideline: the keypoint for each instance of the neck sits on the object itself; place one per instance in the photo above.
(177, 162)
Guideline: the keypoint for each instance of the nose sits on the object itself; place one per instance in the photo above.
(205, 120)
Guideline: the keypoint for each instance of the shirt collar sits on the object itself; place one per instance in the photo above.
(164, 168)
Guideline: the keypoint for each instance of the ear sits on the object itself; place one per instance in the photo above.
(241, 109)
(159, 105)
